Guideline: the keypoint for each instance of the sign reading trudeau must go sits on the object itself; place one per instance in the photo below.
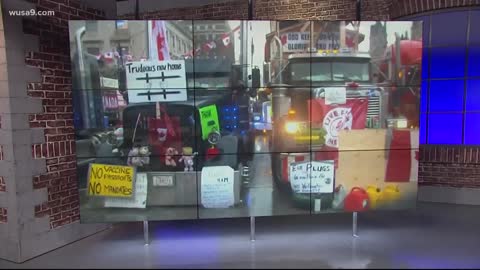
(156, 81)
(111, 180)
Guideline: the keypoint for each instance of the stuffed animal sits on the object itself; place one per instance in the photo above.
(187, 158)
(169, 160)
(139, 156)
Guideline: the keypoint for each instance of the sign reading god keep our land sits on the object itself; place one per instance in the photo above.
(217, 187)
(312, 177)
(111, 180)
(156, 81)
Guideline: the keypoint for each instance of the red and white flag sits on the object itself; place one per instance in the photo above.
(403, 156)
(351, 115)
(226, 40)
(212, 44)
(158, 41)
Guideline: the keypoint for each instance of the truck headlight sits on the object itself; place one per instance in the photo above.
(292, 127)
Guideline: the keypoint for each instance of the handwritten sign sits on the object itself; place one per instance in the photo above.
(156, 81)
(335, 95)
(217, 187)
(139, 200)
(110, 180)
(312, 177)
(209, 120)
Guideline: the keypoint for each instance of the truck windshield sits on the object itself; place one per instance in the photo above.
(210, 83)
(329, 71)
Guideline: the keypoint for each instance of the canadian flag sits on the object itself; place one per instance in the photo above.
(158, 41)
(226, 40)
(212, 44)
(403, 156)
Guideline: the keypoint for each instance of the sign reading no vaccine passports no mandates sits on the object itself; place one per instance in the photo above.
(156, 81)
(111, 180)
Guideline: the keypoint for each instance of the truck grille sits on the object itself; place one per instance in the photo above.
(374, 106)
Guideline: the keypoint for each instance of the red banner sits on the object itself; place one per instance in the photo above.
(333, 118)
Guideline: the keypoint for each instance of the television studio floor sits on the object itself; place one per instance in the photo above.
(433, 236)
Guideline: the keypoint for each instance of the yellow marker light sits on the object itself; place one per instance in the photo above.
(291, 112)
(292, 127)
(307, 138)
(400, 74)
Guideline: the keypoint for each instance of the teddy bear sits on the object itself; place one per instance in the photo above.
(139, 156)
(187, 158)
(169, 160)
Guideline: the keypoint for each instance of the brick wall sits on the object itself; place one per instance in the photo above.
(304, 9)
(227, 10)
(449, 166)
(53, 60)
(408, 7)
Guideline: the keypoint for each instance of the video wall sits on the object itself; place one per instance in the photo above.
(180, 119)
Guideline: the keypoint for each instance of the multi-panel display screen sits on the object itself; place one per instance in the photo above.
(182, 119)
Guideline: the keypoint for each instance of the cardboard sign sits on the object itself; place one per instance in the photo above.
(209, 120)
(217, 187)
(111, 180)
(139, 200)
(156, 81)
(312, 177)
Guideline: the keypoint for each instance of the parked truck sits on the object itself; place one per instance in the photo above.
(306, 125)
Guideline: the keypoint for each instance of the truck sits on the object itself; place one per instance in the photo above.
(306, 124)
(401, 69)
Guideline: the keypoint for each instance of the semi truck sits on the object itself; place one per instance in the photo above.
(306, 121)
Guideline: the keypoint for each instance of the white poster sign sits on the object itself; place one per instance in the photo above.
(328, 41)
(156, 81)
(217, 187)
(139, 199)
(335, 95)
(296, 41)
(312, 177)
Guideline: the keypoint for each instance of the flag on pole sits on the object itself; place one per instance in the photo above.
(158, 41)
(226, 38)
